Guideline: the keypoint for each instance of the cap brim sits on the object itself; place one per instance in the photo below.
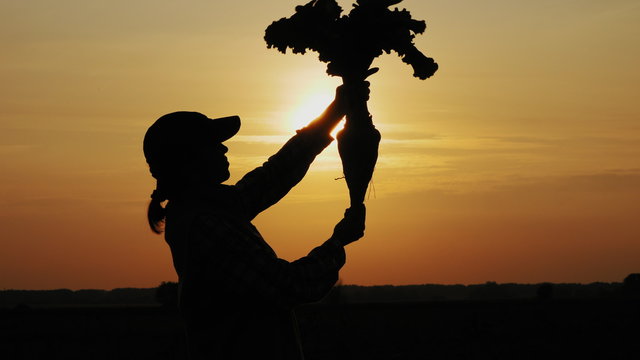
(225, 127)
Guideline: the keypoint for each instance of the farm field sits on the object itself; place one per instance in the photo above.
(501, 329)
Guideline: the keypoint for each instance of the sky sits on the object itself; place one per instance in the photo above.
(519, 161)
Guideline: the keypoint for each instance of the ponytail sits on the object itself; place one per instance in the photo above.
(156, 213)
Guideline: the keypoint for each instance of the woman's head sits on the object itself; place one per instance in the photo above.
(184, 150)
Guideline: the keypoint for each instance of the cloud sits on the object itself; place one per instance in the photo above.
(606, 195)
(608, 182)
(65, 202)
(260, 139)
(14, 149)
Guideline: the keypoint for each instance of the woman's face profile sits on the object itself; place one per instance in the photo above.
(210, 162)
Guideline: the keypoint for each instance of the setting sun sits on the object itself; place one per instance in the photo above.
(310, 108)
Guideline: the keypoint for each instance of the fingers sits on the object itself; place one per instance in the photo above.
(350, 95)
(352, 226)
(356, 211)
(354, 92)
(364, 91)
(371, 72)
(353, 84)
(355, 216)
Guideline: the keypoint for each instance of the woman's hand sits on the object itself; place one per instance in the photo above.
(350, 95)
(351, 227)
(353, 93)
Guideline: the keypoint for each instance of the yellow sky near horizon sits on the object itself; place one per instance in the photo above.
(517, 162)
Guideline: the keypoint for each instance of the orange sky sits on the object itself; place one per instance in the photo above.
(518, 162)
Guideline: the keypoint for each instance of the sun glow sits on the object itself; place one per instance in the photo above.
(310, 108)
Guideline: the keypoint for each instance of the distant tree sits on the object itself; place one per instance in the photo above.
(545, 291)
(631, 285)
(489, 291)
(167, 294)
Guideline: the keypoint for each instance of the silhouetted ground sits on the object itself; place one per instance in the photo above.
(509, 329)
(501, 329)
(149, 332)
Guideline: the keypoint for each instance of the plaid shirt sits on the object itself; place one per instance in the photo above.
(236, 294)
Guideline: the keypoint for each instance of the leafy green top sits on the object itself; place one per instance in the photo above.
(349, 43)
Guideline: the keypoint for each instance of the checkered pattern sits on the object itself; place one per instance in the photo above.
(234, 288)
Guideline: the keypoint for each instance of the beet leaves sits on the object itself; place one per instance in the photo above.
(350, 43)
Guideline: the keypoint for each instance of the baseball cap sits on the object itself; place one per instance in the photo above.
(173, 133)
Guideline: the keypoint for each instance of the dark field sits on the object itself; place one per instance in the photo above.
(505, 329)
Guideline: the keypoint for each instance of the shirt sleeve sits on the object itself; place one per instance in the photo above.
(221, 255)
(267, 184)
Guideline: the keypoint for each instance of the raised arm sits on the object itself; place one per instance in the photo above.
(241, 267)
(267, 184)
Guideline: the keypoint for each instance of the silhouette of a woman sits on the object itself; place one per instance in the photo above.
(236, 295)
